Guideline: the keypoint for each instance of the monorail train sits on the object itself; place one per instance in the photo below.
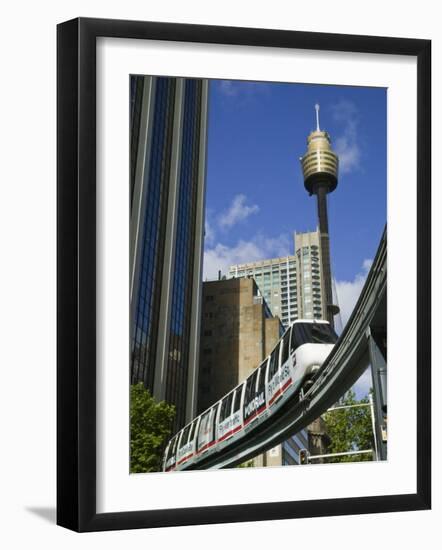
(281, 376)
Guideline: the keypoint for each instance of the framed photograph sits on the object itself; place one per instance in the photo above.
(225, 199)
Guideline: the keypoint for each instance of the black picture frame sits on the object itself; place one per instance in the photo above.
(76, 273)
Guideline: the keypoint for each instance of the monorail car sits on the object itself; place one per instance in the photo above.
(280, 377)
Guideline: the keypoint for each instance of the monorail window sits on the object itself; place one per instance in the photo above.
(250, 388)
(172, 448)
(312, 333)
(226, 407)
(185, 435)
(262, 378)
(237, 399)
(274, 362)
(215, 411)
(192, 430)
(285, 347)
(204, 425)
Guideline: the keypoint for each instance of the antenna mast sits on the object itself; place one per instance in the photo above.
(317, 117)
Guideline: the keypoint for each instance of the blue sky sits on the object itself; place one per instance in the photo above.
(255, 195)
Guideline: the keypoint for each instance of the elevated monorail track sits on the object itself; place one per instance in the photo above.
(345, 364)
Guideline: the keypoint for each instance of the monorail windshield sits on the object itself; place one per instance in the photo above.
(312, 333)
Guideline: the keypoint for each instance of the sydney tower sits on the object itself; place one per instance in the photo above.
(320, 169)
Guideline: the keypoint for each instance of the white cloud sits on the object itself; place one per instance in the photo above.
(221, 257)
(366, 264)
(238, 211)
(242, 89)
(227, 87)
(209, 233)
(347, 145)
(348, 291)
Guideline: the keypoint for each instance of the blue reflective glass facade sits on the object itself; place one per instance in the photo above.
(167, 183)
(156, 181)
(181, 308)
(136, 101)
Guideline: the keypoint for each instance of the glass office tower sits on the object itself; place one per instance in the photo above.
(168, 119)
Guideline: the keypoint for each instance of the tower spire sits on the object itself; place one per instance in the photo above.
(320, 170)
(317, 117)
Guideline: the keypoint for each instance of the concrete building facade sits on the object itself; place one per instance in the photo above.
(238, 332)
(277, 281)
(310, 288)
(291, 285)
(167, 188)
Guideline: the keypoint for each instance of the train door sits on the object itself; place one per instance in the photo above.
(237, 410)
(249, 407)
(274, 378)
(171, 454)
(214, 422)
(225, 418)
(204, 432)
(183, 447)
(191, 442)
(261, 402)
(286, 368)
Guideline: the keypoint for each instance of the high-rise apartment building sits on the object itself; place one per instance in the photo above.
(310, 289)
(277, 281)
(291, 285)
(168, 119)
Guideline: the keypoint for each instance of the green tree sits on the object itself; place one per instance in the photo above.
(246, 464)
(350, 429)
(150, 428)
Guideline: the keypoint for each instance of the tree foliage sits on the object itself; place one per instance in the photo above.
(150, 428)
(350, 430)
(246, 464)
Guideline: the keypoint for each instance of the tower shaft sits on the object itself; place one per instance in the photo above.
(321, 195)
(320, 171)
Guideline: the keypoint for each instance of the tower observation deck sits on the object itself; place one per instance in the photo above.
(320, 169)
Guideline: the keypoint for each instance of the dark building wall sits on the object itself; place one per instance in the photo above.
(168, 145)
(182, 293)
(150, 254)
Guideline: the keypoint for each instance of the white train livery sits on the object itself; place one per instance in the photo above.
(289, 368)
